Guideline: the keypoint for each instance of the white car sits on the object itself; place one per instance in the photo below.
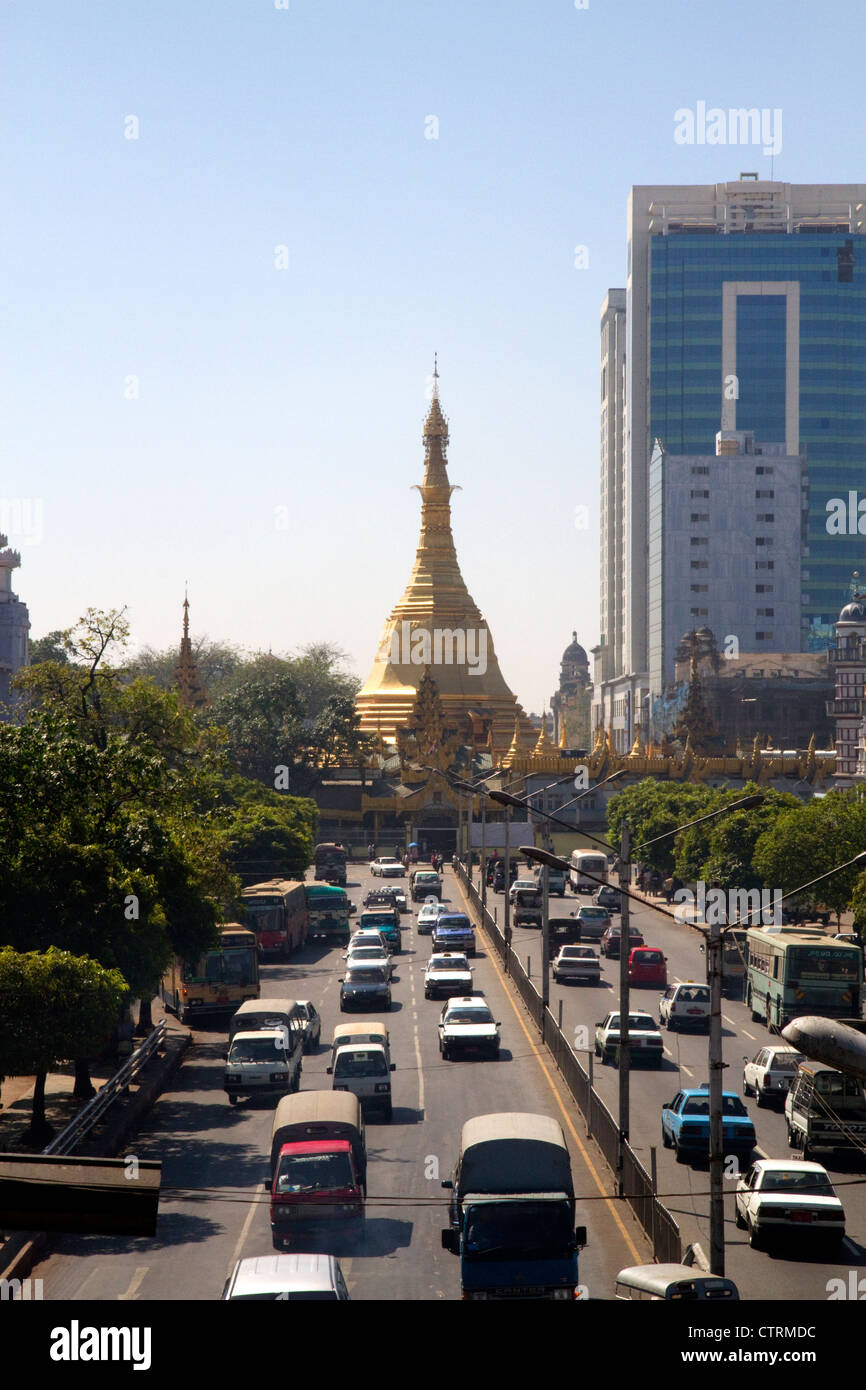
(429, 916)
(448, 972)
(769, 1074)
(789, 1197)
(644, 1039)
(685, 1006)
(466, 1025)
(369, 955)
(368, 936)
(521, 883)
(576, 963)
(387, 867)
(287, 1277)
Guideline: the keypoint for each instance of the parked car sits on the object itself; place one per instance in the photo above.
(612, 938)
(363, 987)
(645, 1040)
(685, 1006)
(453, 931)
(387, 867)
(607, 897)
(769, 1074)
(647, 965)
(448, 972)
(576, 965)
(289, 1278)
(466, 1026)
(778, 1198)
(686, 1124)
(594, 922)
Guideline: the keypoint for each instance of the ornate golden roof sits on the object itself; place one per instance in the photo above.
(436, 623)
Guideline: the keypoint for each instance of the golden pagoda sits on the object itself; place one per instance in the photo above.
(437, 625)
(186, 679)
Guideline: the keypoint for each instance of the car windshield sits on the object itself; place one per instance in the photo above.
(361, 1064)
(641, 1021)
(593, 912)
(367, 953)
(368, 976)
(469, 1016)
(255, 1050)
(521, 1228)
(793, 1181)
(456, 964)
(314, 1173)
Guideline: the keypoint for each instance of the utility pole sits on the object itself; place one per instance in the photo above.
(507, 876)
(545, 937)
(717, 1157)
(624, 1006)
(483, 853)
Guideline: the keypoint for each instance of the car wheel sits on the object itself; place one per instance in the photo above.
(791, 1143)
(388, 1114)
(666, 1143)
(807, 1149)
(342, 1007)
(759, 1099)
(755, 1241)
(680, 1156)
(233, 1100)
(446, 1055)
(747, 1090)
(738, 1220)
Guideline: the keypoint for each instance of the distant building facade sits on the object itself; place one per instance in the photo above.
(572, 703)
(14, 628)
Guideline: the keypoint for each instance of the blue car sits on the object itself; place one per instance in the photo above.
(686, 1124)
(454, 932)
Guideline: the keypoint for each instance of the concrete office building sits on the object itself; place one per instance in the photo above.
(745, 310)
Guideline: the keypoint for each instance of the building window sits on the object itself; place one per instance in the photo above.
(766, 612)
(700, 564)
(763, 636)
(700, 472)
(699, 612)
(700, 588)
(699, 492)
(698, 540)
(766, 516)
(700, 516)
(765, 469)
(765, 492)
(763, 540)
(765, 588)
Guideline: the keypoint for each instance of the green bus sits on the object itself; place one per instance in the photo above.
(327, 912)
(794, 970)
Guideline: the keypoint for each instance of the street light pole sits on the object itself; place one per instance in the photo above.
(507, 876)
(483, 853)
(716, 1065)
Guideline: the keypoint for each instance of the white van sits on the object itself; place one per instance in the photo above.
(366, 1072)
(581, 865)
(260, 1063)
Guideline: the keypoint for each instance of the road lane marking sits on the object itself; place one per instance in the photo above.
(732, 1021)
(420, 1072)
(747, 1034)
(134, 1284)
(688, 1071)
(585, 1155)
(761, 1152)
(254, 1206)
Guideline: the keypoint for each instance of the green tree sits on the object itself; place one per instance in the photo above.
(806, 842)
(54, 1007)
(722, 850)
(264, 720)
(653, 808)
(337, 734)
(48, 648)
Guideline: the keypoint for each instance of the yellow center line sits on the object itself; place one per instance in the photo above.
(584, 1153)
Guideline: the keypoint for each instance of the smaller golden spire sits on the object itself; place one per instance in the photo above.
(514, 747)
(190, 691)
(563, 739)
(543, 744)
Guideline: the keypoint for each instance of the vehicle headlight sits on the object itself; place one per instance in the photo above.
(278, 1075)
(563, 1293)
(233, 1076)
(383, 1087)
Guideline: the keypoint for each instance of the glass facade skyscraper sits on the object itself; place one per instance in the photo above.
(687, 274)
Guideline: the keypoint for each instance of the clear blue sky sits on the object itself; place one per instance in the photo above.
(304, 388)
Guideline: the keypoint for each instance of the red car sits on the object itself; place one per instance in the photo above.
(610, 941)
(647, 966)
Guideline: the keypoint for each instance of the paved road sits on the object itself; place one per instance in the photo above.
(215, 1210)
(758, 1274)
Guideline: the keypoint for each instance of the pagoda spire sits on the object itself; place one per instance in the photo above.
(190, 691)
(543, 745)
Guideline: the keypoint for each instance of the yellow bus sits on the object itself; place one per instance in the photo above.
(219, 981)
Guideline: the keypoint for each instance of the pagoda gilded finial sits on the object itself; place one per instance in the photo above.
(190, 691)
(543, 744)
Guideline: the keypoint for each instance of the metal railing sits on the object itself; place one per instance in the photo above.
(90, 1114)
(656, 1220)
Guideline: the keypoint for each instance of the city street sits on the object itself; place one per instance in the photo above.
(214, 1207)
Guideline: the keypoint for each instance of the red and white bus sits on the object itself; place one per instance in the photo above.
(277, 913)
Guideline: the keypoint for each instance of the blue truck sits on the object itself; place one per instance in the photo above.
(512, 1210)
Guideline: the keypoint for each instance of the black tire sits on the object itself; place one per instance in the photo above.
(233, 1100)
(759, 1099)
(755, 1241)
(747, 1090)
(388, 1114)
(738, 1220)
(790, 1132)
(680, 1156)
(446, 1055)
(666, 1142)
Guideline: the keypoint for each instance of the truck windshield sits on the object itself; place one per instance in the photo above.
(314, 1173)
(256, 1050)
(498, 1229)
(361, 1064)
